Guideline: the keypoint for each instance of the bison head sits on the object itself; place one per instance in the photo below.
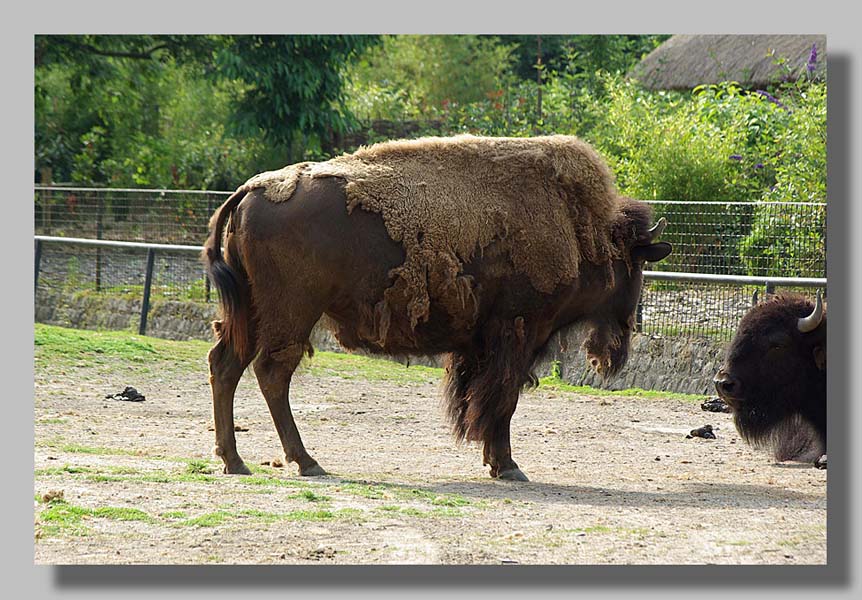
(612, 318)
(774, 377)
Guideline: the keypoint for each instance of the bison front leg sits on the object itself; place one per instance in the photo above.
(496, 446)
(225, 373)
(274, 371)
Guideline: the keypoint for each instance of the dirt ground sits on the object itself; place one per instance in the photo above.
(613, 480)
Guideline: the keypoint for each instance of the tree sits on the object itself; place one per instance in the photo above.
(184, 110)
(293, 87)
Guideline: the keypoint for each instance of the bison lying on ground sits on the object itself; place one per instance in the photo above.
(774, 377)
(477, 248)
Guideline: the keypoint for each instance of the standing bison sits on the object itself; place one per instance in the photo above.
(477, 248)
(774, 377)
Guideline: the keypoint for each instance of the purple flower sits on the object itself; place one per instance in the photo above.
(758, 166)
(812, 59)
(770, 97)
(735, 157)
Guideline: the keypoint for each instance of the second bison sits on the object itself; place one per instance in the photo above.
(476, 248)
(774, 377)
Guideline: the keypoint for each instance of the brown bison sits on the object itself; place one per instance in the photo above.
(774, 377)
(476, 248)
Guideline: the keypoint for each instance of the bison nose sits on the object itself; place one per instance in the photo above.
(726, 385)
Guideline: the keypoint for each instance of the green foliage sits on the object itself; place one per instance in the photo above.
(207, 111)
(293, 87)
(184, 111)
(422, 76)
(580, 55)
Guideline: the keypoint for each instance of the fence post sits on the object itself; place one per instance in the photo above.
(639, 319)
(770, 288)
(99, 249)
(148, 282)
(38, 263)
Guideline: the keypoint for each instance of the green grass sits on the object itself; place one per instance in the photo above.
(555, 382)
(356, 366)
(417, 512)
(199, 467)
(311, 496)
(220, 517)
(79, 449)
(61, 518)
(63, 347)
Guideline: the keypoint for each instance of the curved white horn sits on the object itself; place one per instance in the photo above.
(812, 321)
(657, 229)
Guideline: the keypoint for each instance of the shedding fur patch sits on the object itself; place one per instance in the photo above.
(549, 201)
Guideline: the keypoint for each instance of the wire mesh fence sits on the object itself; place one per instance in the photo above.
(700, 309)
(121, 272)
(779, 239)
(158, 216)
(753, 239)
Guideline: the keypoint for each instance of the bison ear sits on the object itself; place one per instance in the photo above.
(651, 253)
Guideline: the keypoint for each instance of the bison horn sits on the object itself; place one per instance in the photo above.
(657, 229)
(812, 321)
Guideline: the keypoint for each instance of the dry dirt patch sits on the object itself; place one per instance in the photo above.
(613, 479)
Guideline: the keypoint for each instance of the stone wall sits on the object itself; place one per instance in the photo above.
(684, 365)
(655, 363)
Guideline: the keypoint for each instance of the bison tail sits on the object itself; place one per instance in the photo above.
(229, 278)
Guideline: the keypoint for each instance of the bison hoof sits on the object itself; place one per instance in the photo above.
(515, 474)
(820, 463)
(313, 470)
(237, 469)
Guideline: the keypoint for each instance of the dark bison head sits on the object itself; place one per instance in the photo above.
(612, 318)
(774, 377)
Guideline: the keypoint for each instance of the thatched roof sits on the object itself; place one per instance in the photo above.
(686, 61)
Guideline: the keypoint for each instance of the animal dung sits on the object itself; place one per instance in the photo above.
(129, 394)
(52, 495)
(704, 432)
(716, 404)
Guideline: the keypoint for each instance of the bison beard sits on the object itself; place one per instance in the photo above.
(774, 377)
(477, 248)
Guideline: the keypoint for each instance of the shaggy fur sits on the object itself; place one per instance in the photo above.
(479, 248)
(551, 199)
(778, 379)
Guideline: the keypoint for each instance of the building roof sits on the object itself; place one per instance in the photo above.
(686, 61)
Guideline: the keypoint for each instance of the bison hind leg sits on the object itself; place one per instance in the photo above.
(225, 372)
(459, 370)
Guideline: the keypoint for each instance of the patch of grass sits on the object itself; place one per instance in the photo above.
(221, 517)
(60, 346)
(372, 492)
(79, 449)
(174, 514)
(191, 474)
(602, 529)
(554, 382)
(52, 421)
(207, 520)
(61, 518)
(198, 467)
(411, 511)
(311, 496)
(356, 366)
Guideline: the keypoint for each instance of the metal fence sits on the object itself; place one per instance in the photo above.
(728, 238)
(157, 216)
(723, 252)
